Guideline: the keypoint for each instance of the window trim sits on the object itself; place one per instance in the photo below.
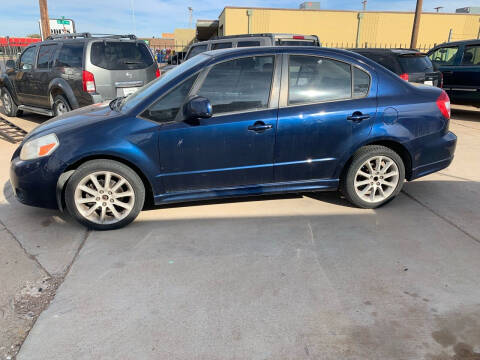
(273, 98)
(285, 81)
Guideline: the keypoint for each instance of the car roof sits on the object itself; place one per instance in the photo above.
(386, 51)
(460, 42)
(313, 50)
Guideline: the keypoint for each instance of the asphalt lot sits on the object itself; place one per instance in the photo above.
(285, 277)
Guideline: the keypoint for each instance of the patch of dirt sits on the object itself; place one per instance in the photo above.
(24, 309)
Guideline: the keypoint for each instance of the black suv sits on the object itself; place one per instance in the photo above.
(459, 62)
(69, 71)
(410, 65)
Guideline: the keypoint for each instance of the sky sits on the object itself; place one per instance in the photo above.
(154, 17)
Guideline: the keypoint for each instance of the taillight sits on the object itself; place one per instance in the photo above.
(443, 103)
(299, 37)
(157, 73)
(88, 81)
(404, 76)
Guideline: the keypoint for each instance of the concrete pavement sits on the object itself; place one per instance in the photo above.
(289, 277)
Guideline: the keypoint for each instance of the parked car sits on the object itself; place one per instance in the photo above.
(248, 40)
(459, 63)
(410, 65)
(69, 71)
(239, 122)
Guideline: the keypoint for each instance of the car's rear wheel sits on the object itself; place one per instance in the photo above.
(9, 106)
(104, 194)
(60, 105)
(375, 176)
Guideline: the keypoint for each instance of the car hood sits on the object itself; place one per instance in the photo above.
(75, 119)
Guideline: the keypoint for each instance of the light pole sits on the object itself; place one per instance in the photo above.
(133, 17)
(416, 24)
(44, 21)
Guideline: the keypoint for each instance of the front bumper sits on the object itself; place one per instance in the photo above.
(439, 154)
(34, 181)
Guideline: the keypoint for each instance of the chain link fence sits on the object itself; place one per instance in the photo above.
(9, 53)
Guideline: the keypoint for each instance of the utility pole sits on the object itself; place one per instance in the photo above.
(190, 17)
(438, 8)
(416, 24)
(44, 21)
(364, 5)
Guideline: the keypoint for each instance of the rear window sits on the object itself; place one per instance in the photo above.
(112, 55)
(415, 63)
(70, 55)
(286, 42)
(383, 59)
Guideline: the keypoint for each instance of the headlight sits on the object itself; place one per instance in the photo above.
(36, 148)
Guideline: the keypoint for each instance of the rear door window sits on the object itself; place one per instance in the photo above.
(70, 55)
(444, 55)
(248, 43)
(195, 50)
(222, 45)
(415, 63)
(315, 79)
(471, 55)
(45, 56)
(119, 55)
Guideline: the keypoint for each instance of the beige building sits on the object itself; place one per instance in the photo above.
(351, 28)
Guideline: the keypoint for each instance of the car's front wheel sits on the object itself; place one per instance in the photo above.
(9, 106)
(104, 194)
(374, 177)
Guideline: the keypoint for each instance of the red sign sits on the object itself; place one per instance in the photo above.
(15, 41)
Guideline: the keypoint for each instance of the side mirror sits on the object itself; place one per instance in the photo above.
(10, 64)
(197, 107)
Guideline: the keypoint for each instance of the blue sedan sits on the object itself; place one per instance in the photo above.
(239, 122)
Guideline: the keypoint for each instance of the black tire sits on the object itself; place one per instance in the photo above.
(94, 166)
(11, 109)
(361, 156)
(60, 105)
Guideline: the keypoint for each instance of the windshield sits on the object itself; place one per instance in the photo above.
(133, 100)
(415, 63)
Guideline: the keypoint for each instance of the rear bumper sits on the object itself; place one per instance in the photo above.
(441, 150)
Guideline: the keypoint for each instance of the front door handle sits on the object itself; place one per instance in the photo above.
(259, 126)
(357, 116)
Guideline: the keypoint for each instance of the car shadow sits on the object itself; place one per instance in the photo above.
(466, 115)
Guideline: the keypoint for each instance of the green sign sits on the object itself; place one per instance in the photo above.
(63, 22)
(146, 42)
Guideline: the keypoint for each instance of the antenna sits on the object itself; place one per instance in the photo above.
(190, 17)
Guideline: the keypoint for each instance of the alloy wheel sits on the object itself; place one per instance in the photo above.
(104, 197)
(376, 179)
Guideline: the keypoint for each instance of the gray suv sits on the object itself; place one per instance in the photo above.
(66, 72)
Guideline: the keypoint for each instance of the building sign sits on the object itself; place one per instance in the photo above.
(59, 26)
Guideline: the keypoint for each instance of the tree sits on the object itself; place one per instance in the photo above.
(35, 36)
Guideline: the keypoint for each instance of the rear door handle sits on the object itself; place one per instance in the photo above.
(259, 126)
(357, 116)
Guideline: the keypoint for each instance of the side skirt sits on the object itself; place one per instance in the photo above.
(248, 190)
